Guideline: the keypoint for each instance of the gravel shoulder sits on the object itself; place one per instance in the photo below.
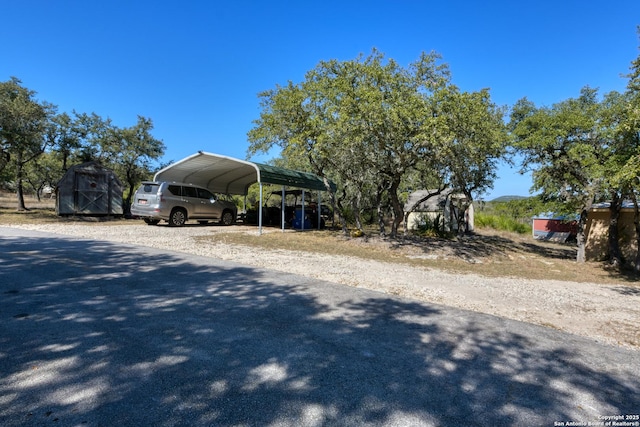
(606, 313)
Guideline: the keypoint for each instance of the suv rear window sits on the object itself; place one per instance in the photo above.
(150, 188)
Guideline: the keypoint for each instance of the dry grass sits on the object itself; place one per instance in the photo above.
(488, 252)
(40, 211)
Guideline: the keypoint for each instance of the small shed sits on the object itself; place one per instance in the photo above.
(556, 228)
(89, 189)
(440, 210)
(597, 231)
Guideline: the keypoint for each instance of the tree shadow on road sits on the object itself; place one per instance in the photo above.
(100, 334)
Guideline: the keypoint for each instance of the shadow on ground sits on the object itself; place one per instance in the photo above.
(100, 334)
(488, 245)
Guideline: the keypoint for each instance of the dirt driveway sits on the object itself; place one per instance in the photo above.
(608, 313)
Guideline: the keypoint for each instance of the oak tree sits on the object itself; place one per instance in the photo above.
(23, 122)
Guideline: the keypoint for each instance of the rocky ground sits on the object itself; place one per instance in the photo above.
(608, 313)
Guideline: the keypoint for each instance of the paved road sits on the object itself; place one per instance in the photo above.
(100, 334)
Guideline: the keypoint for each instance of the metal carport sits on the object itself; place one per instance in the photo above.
(222, 174)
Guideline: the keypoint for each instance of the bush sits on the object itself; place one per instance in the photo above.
(501, 222)
(432, 227)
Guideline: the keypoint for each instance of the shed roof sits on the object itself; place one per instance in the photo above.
(626, 204)
(434, 203)
(88, 167)
(222, 174)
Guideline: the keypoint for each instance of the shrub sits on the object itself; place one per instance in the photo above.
(501, 222)
(432, 227)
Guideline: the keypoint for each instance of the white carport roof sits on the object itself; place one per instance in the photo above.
(222, 174)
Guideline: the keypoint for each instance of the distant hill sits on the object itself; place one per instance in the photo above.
(504, 199)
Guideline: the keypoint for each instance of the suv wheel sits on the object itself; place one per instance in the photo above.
(178, 217)
(227, 218)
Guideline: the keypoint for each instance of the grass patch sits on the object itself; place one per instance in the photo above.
(32, 216)
(48, 216)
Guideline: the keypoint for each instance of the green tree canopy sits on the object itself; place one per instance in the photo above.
(577, 151)
(370, 124)
(23, 124)
(37, 146)
(133, 150)
(562, 146)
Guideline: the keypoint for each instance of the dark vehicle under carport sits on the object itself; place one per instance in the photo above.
(293, 217)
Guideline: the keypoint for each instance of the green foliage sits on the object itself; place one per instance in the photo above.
(133, 151)
(561, 145)
(523, 209)
(433, 227)
(501, 222)
(583, 150)
(37, 146)
(23, 123)
(515, 215)
(475, 140)
(377, 128)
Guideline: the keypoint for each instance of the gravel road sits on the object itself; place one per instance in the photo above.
(606, 313)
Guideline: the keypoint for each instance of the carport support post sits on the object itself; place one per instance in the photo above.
(260, 212)
(244, 207)
(302, 213)
(282, 209)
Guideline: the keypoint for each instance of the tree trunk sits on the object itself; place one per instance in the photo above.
(356, 218)
(398, 212)
(615, 255)
(20, 194)
(343, 220)
(19, 183)
(581, 238)
(132, 190)
(332, 196)
(405, 222)
(380, 213)
(461, 217)
(381, 228)
(356, 211)
(65, 155)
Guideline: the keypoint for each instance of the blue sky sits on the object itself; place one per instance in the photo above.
(195, 67)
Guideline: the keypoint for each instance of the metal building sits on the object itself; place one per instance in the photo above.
(89, 189)
(442, 210)
(223, 174)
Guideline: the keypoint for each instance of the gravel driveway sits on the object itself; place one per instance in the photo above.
(607, 313)
(97, 333)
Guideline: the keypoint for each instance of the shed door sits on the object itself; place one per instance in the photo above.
(92, 193)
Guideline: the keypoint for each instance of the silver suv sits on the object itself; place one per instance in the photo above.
(177, 203)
